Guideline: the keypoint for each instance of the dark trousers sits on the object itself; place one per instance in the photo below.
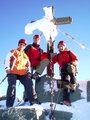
(34, 84)
(11, 90)
(66, 91)
(67, 79)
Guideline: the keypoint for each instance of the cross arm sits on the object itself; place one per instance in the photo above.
(63, 20)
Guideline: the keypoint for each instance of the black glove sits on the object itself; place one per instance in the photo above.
(29, 75)
(35, 75)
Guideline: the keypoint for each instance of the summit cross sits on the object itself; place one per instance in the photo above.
(50, 44)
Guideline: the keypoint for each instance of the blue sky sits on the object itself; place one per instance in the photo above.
(15, 14)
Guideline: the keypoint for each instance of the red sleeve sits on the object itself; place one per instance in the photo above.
(74, 57)
(55, 59)
(44, 56)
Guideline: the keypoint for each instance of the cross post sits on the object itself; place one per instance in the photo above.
(56, 21)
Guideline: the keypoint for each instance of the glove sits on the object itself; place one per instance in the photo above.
(71, 68)
(8, 71)
(35, 75)
(29, 75)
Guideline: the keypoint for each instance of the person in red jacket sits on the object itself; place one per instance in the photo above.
(67, 61)
(37, 57)
(17, 66)
(38, 60)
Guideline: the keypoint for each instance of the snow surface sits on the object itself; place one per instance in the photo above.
(80, 109)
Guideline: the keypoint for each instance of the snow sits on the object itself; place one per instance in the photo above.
(1, 93)
(80, 109)
(45, 25)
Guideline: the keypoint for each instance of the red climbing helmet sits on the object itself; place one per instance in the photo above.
(36, 36)
(62, 43)
(22, 41)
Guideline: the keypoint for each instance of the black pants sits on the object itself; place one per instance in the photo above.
(67, 79)
(11, 90)
(34, 93)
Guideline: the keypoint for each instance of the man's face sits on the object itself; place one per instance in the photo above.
(36, 40)
(61, 47)
(21, 46)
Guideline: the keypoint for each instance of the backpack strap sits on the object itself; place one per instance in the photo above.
(26, 48)
(69, 55)
(73, 64)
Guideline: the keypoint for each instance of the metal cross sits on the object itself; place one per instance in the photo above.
(56, 21)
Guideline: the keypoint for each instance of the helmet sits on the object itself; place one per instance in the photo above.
(36, 36)
(62, 43)
(22, 41)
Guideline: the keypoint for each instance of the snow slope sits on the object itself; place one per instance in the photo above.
(80, 109)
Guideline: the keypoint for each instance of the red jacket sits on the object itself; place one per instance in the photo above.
(35, 54)
(64, 57)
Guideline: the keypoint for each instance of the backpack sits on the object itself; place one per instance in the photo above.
(27, 47)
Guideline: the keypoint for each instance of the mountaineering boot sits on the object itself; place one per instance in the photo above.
(66, 102)
(36, 101)
(25, 100)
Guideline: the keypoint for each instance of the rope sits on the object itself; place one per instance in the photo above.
(74, 39)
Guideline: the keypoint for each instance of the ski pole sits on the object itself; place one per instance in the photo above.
(3, 79)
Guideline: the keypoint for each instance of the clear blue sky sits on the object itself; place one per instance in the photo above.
(15, 14)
